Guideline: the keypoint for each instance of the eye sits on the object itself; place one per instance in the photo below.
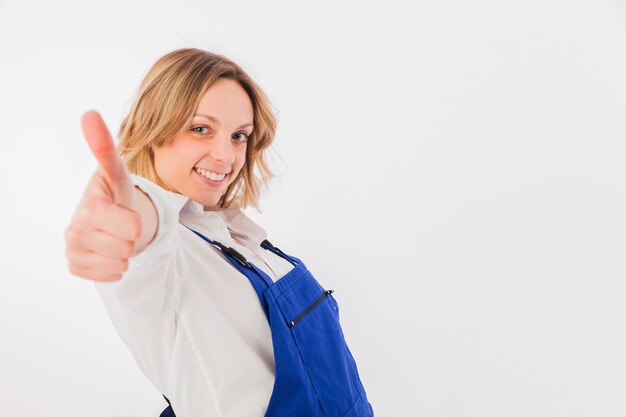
(200, 129)
(244, 137)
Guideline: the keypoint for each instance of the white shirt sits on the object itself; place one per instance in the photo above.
(191, 320)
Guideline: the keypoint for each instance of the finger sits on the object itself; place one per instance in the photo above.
(100, 242)
(93, 274)
(113, 168)
(95, 261)
(120, 222)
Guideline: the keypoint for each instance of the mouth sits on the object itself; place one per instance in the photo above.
(211, 177)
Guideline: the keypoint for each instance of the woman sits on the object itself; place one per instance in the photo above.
(220, 320)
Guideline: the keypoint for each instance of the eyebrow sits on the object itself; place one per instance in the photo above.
(213, 119)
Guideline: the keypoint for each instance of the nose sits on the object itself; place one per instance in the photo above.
(222, 150)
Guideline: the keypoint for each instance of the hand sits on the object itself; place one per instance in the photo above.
(105, 229)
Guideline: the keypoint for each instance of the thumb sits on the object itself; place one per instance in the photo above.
(112, 167)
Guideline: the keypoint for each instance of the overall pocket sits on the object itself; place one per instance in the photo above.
(309, 308)
(320, 340)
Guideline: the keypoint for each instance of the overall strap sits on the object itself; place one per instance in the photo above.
(268, 246)
(258, 278)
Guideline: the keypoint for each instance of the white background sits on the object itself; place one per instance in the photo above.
(453, 169)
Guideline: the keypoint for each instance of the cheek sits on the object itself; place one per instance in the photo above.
(159, 159)
(241, 157)
(179, 157)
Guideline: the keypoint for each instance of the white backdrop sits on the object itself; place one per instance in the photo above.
(453, 169)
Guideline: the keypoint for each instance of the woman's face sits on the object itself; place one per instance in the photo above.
(202, 161)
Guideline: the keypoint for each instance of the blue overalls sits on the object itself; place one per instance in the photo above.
(315, 373)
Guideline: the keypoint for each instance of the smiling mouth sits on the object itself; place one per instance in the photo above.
(211, 175)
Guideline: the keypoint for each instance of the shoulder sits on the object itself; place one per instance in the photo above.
(162, 198)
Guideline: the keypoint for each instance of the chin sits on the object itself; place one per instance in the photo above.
(210, 202)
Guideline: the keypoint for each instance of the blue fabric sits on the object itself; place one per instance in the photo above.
(168, 412)
(315, 373)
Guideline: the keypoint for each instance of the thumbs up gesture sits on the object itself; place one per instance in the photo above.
(105, 229)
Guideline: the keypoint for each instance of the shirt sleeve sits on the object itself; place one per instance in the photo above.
(149, 280)
(140, 303)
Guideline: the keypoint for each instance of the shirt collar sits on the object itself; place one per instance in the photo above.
(239, 224)
(191, 206)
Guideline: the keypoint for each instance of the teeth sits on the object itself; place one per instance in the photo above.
(210, 175)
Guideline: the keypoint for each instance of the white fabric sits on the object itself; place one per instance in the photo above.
(191, 320)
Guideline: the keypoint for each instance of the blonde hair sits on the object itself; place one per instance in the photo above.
(165, 104)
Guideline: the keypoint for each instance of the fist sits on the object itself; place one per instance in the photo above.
(104, 230)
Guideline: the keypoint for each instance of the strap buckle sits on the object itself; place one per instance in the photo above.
(233, 252)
